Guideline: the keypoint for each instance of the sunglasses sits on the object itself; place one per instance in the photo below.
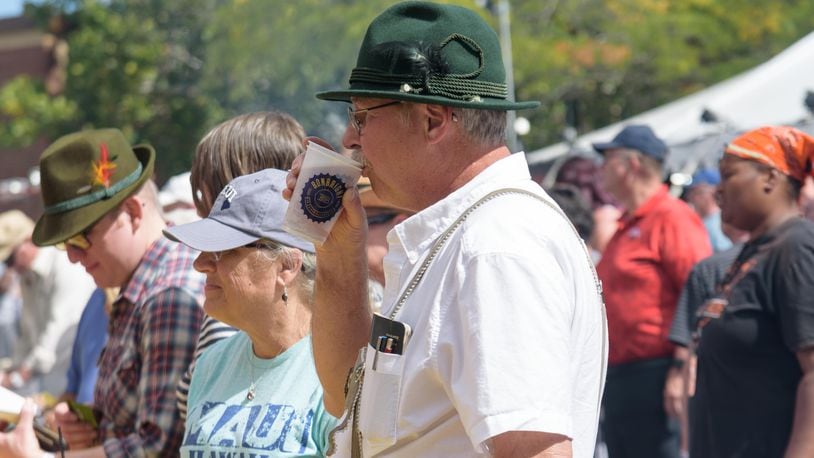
(381, 218)
(81, 241)
(357, 117)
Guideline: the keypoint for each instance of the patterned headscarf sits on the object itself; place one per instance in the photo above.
(784, 148)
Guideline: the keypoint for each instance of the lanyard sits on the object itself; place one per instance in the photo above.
(714, 307)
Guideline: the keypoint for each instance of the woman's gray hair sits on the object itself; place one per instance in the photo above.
(304, 282)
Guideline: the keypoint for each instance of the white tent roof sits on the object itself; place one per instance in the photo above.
(771, 93)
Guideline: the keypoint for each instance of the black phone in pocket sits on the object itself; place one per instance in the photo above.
(389, 336)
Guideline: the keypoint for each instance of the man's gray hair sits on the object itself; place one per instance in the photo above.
(483, 126)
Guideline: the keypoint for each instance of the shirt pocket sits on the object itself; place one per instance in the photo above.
(128, 372)
(379, 404)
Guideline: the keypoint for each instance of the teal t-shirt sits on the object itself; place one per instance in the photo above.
(285, 418)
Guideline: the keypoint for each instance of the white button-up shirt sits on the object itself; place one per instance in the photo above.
(508, 329)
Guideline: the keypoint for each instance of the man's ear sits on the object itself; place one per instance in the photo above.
(439, 120)
(134, 207)
(634, 162)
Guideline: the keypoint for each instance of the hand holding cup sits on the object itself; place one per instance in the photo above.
(322, 179)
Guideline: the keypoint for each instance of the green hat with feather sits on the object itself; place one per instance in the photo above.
(83, 176)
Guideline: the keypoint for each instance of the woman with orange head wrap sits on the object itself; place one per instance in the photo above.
(755, 339)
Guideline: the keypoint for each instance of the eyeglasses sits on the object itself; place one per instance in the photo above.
(81, 241)
(381, 218)
(357, 117)
(218, 255)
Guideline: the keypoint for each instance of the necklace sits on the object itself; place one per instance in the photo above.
(252, 386)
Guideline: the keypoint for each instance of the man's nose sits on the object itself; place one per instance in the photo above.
(350, 139)
(75, 254)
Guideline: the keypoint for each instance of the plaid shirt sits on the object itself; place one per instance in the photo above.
(153, 331)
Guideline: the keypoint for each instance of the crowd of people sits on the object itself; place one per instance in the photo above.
(599, 315)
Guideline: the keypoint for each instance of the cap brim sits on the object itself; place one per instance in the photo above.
(58, 227)
(602, 147)
(485, 103)
(209, 235)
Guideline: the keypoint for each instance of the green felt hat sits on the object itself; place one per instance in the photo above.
(83, 176)
(430, 53)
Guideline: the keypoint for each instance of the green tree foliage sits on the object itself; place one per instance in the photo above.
(30, 110)
(276, 54)
(166, 72)
(132, 65)
(611, 59)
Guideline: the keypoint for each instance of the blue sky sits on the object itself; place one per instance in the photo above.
(10, 8)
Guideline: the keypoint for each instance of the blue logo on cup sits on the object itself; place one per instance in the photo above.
(322, 197)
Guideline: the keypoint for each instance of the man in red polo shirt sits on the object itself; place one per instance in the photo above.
(643, 270)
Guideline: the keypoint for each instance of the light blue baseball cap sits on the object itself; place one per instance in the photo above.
(250, 208)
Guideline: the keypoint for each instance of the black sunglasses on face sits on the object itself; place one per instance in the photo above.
(381, 218)
(9, 262)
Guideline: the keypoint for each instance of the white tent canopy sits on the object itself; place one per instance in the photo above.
(771, 93)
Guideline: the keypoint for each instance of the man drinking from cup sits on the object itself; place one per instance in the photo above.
(492, 334)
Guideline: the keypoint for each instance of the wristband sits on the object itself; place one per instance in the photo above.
(677, 363)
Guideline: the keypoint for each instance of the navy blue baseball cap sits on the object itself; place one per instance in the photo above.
(251, 207)
(708, 176)
(638, 137)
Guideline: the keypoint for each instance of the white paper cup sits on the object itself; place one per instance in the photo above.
(317, 199)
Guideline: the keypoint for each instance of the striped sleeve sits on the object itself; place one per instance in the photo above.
(211, 332)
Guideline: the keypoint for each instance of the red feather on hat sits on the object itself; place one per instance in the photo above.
(103, 168)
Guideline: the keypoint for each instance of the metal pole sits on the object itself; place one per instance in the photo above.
(503, 13)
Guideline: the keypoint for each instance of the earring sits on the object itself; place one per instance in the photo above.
(285, 295)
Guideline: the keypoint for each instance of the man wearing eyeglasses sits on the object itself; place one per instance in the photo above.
(507, 346)
(54, 293)
(102, 207)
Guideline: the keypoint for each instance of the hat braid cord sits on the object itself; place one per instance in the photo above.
(95, 196)
(458, 86)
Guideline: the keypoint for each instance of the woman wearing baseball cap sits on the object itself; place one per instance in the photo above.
(256, 391)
